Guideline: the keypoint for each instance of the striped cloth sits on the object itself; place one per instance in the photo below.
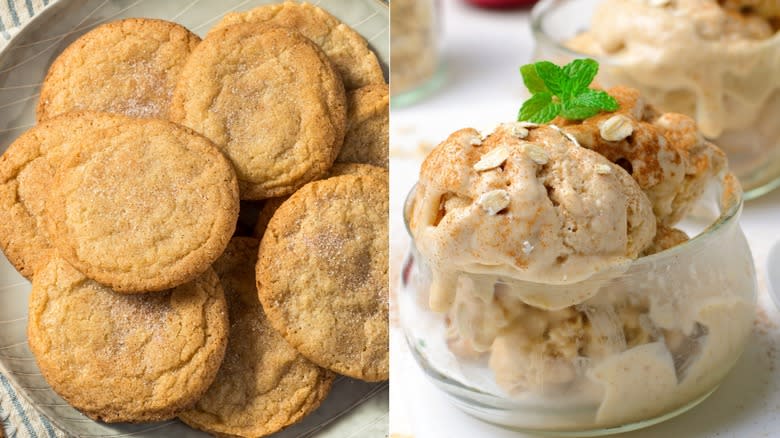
(17, 417)
(14, 13)
(20, 419)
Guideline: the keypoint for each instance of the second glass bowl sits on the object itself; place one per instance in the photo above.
(416, 59)
(753, 147)
(655, 339)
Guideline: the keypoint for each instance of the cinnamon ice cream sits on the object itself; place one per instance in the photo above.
(533, 239)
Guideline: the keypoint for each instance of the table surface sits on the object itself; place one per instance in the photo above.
(482, 51)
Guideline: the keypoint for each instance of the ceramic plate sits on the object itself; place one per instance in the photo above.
(354, 408)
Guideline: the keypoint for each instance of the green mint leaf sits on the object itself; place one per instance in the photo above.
(588, 104)
(540, 108)
(553, 76)
(572, 112)
(531, 79)
(563, 91)
(580, 74)
(596, 98)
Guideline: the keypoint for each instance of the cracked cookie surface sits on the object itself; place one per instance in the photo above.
(346, 49)
(322, 274)
(264, 384)
(126, 358)
(127, 66)
(270, 100)
(143, 206)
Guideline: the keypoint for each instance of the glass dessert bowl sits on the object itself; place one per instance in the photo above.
(562, 333)
(695, 57)
(416, 59)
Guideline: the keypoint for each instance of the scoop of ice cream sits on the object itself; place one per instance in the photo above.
(526, 203)
(663, 152)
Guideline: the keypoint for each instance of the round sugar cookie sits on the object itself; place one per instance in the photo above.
(143, 206)
(271, 205)
(368, 122)
(126, 358)
(270, 100)
(26, 176)
(126, 66)
(346, 49)
(322, 274)
(264, 384)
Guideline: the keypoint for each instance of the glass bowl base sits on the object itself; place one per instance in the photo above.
(483, 413)
(419, 92)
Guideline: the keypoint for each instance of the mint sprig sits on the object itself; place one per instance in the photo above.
(563, 91)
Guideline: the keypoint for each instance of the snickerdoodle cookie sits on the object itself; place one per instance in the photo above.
(142, 206)
(272, 102)
(126, 358)
(368, 121)
(346, 49)
(26, 176)
(271, 205)
(266, 213)
(127, 66)
(264, 384)
(322, 274)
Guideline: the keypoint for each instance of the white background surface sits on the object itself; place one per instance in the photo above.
(483, 50)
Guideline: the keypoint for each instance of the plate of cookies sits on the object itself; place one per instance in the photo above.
(194, 217)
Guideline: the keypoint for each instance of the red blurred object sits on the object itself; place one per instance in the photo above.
(502, 4)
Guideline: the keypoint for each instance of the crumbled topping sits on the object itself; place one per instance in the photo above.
(603, 169)
(494, 201)
(537, 154)
(516, 129)
(492, 159)
(571, 138)
(658, 3)
(566, 134)
(616, 128)
(527, 247)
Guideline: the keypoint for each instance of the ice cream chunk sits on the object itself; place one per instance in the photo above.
(548, 351)
(539, 351)
(665, 238)
(525, 204)
(663, 152)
